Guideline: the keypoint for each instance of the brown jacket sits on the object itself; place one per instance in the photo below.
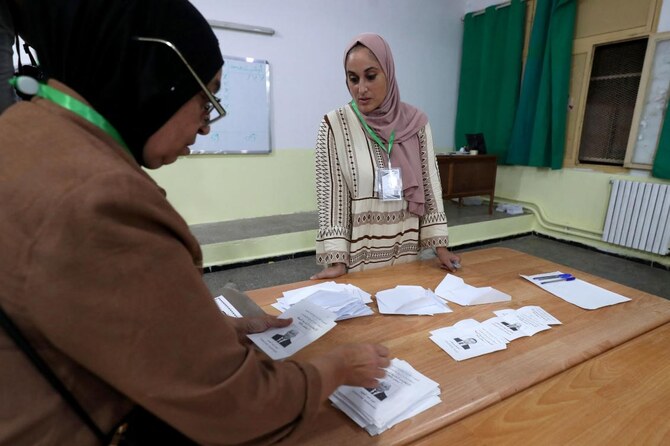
(102, 275)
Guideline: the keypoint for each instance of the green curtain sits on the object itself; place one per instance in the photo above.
(661, 167)
(491, 61)
(538, 138)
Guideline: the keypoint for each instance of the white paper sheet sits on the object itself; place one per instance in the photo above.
(226, 307)
(454, 289)
(410, 300)
(532, 312)
(578, 292)
(512, 327)
(468, 342)
(310, 322)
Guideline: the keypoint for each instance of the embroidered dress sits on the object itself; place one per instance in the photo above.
(355, 226)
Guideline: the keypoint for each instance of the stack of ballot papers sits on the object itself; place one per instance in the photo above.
(575, 291)
(402, 394)
(410, 299)
(454, 289)
(310, 322)
(345, 300)
(469, 338)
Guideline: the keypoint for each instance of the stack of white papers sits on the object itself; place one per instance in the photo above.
(469, 338)
(404, 299)
(575, 291)
(402, 394)
(345, 300)
(454, 289)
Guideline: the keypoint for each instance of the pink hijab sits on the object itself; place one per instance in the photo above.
(392, 115)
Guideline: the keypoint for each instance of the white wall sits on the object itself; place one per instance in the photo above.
(306, 55)
(476, 5)
(664, 19)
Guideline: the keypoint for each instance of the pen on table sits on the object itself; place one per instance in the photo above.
(562, 279)
(554, 276)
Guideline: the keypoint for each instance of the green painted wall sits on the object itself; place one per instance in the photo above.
(212, 188)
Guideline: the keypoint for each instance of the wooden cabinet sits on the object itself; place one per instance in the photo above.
(467, 176)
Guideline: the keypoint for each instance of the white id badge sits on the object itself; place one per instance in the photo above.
(389, 184)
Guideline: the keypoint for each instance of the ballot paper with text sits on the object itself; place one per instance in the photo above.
(469, 338)
(310, 322)
(525, 321)
(402, 394)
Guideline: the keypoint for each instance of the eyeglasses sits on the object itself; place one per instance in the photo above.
(213, 106)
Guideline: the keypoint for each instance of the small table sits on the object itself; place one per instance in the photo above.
(467, 176)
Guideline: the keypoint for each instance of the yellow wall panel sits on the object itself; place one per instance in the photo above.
(596, 17)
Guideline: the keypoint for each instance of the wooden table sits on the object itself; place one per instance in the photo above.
(619, 397)
(467, 176)
(541, 386)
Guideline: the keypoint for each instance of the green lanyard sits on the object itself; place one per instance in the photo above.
(373, 134)
(79, 108)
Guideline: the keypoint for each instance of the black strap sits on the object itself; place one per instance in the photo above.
(18, 48)
(20, 340)
(26, 48)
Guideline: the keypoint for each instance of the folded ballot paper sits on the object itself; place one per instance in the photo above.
(410, 299)
(345, 300)
(454, 289)
(469, 338)
(402, 394)
(575, 291)
(310, 322)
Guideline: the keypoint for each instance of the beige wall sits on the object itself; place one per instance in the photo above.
(569, 204)
(212, 188)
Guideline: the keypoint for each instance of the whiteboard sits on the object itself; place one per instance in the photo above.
(245, 94)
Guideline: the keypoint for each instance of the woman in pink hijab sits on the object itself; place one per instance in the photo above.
(378, 187)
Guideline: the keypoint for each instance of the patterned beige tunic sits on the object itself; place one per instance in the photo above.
(355, 227)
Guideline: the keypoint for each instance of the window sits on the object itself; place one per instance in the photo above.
(610, 104)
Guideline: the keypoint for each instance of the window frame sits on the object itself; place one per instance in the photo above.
(643, 90)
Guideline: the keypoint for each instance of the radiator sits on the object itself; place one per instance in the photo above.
(638, 216)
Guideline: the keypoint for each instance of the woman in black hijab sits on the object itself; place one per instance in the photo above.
(101, 274)
(91, 46)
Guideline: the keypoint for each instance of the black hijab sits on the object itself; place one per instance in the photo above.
(137, 86)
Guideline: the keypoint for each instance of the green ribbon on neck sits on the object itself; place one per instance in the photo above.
(79, 108)
(372, 133)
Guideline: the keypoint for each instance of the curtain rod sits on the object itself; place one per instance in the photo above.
(482, 11)
(241, 27)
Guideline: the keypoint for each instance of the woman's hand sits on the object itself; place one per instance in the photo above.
(334, 270)
(447, 259)
(359, 365)
(257, 324)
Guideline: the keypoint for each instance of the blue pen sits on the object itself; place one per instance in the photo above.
(562, 279)
(555, 276)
